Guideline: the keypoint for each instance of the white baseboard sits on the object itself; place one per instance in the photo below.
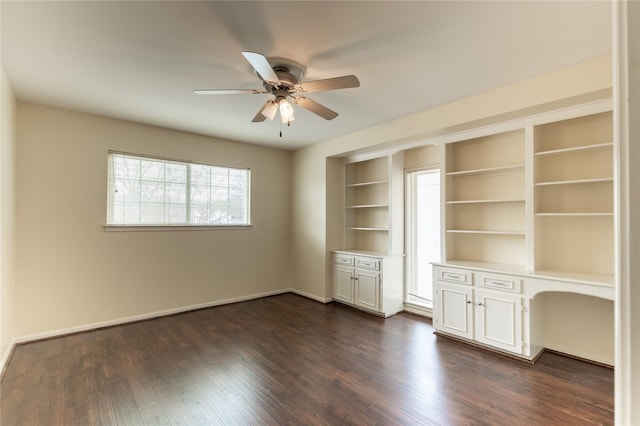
(120, 321)
(134, 318)
(6, 356)
(311, 296)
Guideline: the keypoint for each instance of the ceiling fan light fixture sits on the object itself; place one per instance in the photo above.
(286, 111)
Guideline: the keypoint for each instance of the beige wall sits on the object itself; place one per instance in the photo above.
(423, 156)
(71, 273)
(312, 238)
(579, 325)
(7, 215)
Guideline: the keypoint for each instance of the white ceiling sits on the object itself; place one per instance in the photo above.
(140, 60)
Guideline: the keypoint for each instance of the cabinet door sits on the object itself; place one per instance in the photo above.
(367, 289)
(499, 320)
(454, 304)
(343, 288)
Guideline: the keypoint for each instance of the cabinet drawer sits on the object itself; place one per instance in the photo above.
(368, 263)
(455, 275)
(499, 282)
(343, 259)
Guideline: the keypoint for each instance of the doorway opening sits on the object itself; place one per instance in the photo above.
(422, 235)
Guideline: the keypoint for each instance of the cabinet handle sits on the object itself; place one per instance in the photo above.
(479, 303)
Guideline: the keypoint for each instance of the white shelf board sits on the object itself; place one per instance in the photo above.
(510, 200)
(368, 206)
(575, 182)
(363, 228)
(572, 150)
(578, 277)
(575, 214)
(486, 232)
(487, 170)
(375, 182)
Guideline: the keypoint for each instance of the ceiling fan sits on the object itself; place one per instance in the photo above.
(281, 78)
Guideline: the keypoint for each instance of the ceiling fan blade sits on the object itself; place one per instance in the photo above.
(262, 67)
(343, 82)
(260, 116)
(227, 91)
(315, 107)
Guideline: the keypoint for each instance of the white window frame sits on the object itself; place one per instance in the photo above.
(113, 224)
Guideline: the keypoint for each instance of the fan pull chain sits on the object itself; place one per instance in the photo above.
(288, 125)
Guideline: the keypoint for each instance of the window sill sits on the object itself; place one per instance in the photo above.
(135, 228)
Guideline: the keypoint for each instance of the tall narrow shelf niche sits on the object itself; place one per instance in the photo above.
(373, 205)
(485, 199)
(574, 216)
(368, 273)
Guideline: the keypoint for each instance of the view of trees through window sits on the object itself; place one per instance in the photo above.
(149, 191)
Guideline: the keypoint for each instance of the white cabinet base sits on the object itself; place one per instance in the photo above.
(497, 309)
(370, 282)
(488, 310)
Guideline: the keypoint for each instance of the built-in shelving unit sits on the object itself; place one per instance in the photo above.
(573, 195)
(485, 199)
(536, 195)
(373, 204)
(528, 209)
(368, 271)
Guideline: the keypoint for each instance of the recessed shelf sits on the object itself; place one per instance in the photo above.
(574, 150)
(487, 170)
(372, 209)
(485, 198)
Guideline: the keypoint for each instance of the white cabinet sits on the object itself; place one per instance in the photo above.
(343, 288)
(487, 309)
(454, 305)
(498, 320)
(367, 289)
(369, 282)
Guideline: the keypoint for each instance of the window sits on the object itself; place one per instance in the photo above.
(153, 191)
(423, 234)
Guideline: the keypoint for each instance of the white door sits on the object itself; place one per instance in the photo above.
(499, 320)
(343, 284)
(454, 309)
(367, 289)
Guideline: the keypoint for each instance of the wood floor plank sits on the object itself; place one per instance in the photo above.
(125, 408)
(287, 360)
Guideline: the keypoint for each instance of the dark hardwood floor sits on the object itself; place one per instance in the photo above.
(288, 360)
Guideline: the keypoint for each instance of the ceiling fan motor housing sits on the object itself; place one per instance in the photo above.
(289, 73)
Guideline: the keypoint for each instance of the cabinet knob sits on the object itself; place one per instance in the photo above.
(468, 302)
(479, 303)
